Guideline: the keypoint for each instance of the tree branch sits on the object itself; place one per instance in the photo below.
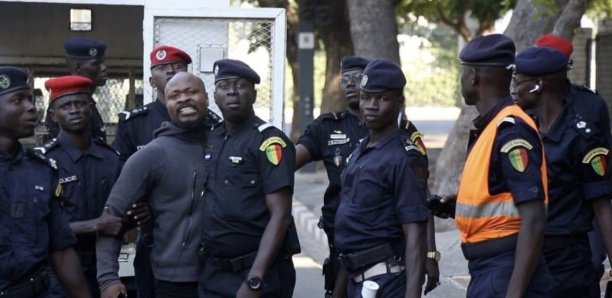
(570, 18)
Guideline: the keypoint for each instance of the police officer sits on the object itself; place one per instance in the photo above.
(88, 168)
(500, 208)
(135, 130)
(85, 57)
(382, 219)
(331, 138)
(589, 105)
(32, 229)
(579, 185)
(169, 175)
(248, 195)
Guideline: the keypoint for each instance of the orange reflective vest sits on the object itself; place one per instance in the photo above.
(480, 215)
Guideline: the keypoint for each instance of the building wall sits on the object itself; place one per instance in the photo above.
(34, 33)
(603, 63)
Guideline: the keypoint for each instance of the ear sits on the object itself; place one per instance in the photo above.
(254, 94)
(151, 82)
(475, 78)
(51, 112)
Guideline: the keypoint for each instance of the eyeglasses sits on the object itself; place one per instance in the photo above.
(356, 78)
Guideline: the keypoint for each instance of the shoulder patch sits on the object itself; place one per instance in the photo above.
(125, 115)
(598, 158)
(516, 143)
(273, 147)
(509, 120)
(410, 146)
(517, 153)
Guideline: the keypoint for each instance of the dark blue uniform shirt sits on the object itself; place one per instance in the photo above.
(86, 179)
(240, 175)
(331, 138)
(503, 177)
(31, 223)
(576, 151)
(383, 187)
(96, 126)
(136, 127)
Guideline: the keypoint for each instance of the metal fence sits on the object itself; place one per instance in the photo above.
(111, 98)
(249, 40)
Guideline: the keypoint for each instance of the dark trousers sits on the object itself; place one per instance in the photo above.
(142, 269)
(490, 278)
(279, 281)
(573, 270)
(168, 289)
(390, 285)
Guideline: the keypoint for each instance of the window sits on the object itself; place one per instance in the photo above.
(80, 19)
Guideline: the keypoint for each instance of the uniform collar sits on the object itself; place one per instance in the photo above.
(74, 152)
(483, 120)
(380, 144)
(251, 121)
(561, 123)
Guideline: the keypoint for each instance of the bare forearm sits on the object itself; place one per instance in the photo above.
(67, 267)
(528, 247)
(270, 243)
(414, 256)
(603, 214)
(84, 227)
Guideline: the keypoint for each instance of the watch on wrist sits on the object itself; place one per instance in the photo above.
(434, 255)
(254, 282)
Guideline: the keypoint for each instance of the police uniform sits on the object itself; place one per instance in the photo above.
(244, 165)
(576, 154)
(383, 187)
(82, 48)
(31, 223)
(504, 168)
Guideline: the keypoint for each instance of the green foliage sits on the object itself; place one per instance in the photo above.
(600, 9)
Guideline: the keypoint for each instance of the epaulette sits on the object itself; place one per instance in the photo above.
(587, 88)
(47, 146)
(264, 126)
(506, 121)
(125, 115)
(410, 146)
(582, 127)
(213, 119)
(106, 145)
(37, 155)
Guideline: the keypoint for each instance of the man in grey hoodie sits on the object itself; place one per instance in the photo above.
(169, 173)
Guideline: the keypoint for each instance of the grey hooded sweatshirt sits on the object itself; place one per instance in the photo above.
(169, 174)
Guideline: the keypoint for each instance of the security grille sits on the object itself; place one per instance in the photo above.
(110, 98)
(249, 39)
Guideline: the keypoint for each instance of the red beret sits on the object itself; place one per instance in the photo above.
(167, 54)
(66, 85)
(556, 42)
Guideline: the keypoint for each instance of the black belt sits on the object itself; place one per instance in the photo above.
(236, 264)
(32, 287)
(489, 248)
(367, 257)
(557, 242)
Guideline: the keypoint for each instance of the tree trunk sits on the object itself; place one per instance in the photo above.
(374, 29)
(332, 24)
(529, 21)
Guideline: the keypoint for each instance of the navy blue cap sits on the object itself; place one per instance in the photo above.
(353, 62)
(489, 50)
(84, 48)
(540, 61)
(12, 79)
(382, 75)
(234, 69)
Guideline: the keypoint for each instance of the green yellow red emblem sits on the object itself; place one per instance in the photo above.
(598, 159)
(417, 139)
(273, 148)
(517, 153)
